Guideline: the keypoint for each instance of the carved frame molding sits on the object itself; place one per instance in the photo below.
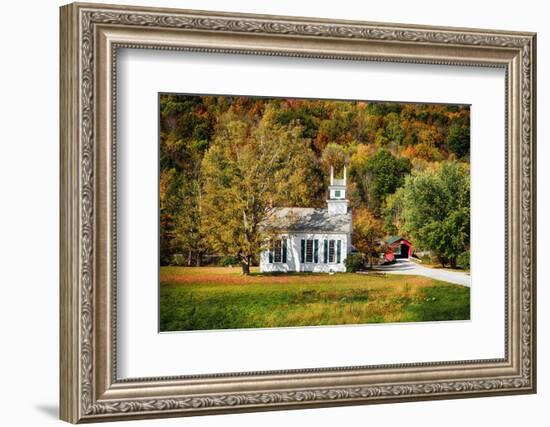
(90, 37)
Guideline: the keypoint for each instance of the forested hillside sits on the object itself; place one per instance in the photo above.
(225, 161)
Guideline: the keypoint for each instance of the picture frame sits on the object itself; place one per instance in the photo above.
(90, 37)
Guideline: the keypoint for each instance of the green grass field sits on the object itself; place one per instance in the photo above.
(199, 298)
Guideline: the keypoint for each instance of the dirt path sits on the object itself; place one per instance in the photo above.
(404, 266)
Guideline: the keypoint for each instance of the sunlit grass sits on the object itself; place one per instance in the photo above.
(200, 298)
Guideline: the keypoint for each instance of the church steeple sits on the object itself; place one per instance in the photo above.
(337, 202)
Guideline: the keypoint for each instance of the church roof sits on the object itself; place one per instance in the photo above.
(309, 220)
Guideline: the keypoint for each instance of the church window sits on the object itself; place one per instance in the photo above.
(331, 251)
(309, 250)
(278, 246)
(316, 251)
(278, 251)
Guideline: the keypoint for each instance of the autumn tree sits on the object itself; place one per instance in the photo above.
(367, 234)
(184, 137)
(248, 170)
(334, 155)
(371, 137)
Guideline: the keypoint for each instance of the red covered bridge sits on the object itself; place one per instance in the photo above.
(397, 248)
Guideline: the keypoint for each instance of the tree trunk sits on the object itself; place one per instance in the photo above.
(246, 267)
(190, 258)
(245, 263)
(198, 261)
(453, 262)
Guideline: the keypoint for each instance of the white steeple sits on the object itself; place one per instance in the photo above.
(337, 202)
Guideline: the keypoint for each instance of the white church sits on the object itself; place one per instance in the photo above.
(311, 239)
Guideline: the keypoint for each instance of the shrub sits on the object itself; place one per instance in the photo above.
(226, 261)
(426, 259)
(165, 259)
(178, 260)
(463, 260)
(354, 262)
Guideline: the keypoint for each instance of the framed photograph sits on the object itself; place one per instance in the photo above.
(266, 212)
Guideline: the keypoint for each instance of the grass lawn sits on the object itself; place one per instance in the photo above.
(199, 298)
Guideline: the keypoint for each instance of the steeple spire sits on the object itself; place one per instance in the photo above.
(337, 202)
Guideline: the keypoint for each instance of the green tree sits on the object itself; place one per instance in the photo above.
(248, 170)
(188, 234)
(185, 131)
(180, 197)
(380, 175)
(394, 129)
(435, 210)
(459, 140)
(392, 213)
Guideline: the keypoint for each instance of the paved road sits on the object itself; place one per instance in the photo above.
(404, 266)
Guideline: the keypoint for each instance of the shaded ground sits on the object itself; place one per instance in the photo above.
(407, 267)
(200, 298)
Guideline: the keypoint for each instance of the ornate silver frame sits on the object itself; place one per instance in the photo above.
(90, 36)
